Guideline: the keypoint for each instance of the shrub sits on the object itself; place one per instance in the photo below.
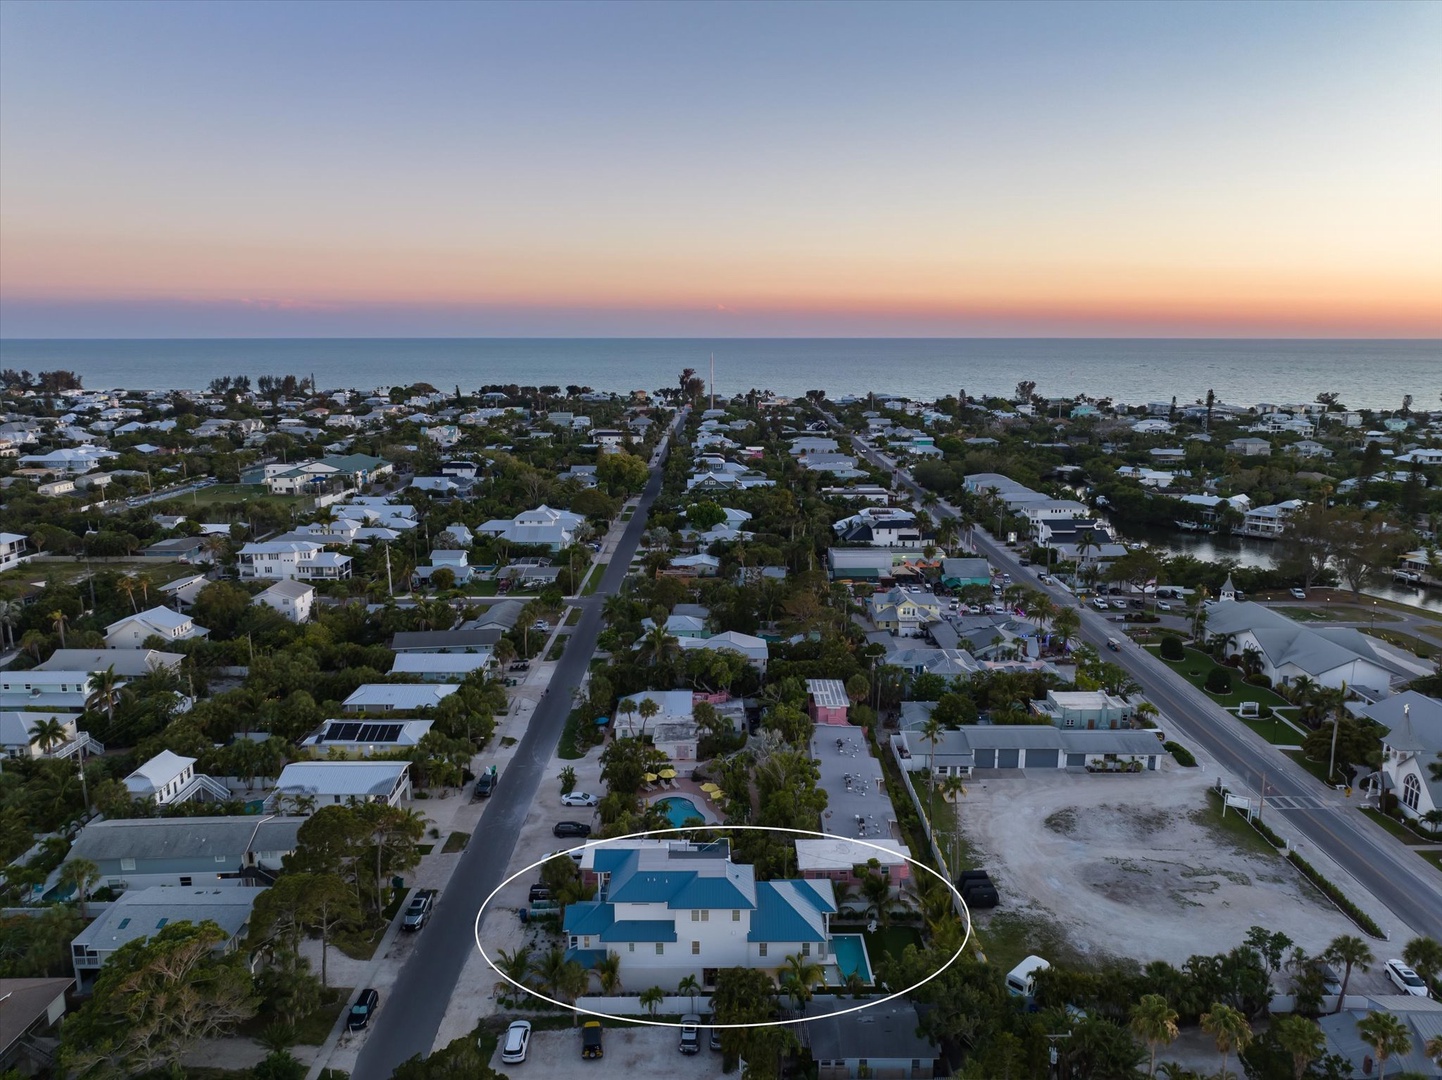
(1264, 712)
(1219, 681)
(1171, 648)
(1181, 754)
(1259, 680)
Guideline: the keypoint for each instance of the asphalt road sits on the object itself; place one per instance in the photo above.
(1380, 864)
(417, 1003)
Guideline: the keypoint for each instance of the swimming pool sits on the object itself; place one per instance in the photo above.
(849, 950)
(679, 809)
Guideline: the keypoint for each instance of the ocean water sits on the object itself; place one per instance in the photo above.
(1365, 374)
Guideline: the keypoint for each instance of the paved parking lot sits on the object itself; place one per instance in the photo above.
(644, 1053)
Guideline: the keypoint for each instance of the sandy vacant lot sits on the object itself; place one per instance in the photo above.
(1128, 865)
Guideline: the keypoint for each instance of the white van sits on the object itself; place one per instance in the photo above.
(1021, 980)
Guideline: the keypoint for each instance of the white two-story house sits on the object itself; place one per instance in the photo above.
(305, 559)
(133, 631)
(670, 909)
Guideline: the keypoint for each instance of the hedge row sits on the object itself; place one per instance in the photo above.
(1182, 755)
(1351, 910)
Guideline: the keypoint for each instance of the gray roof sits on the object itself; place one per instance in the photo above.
(884, 1031)
(436, 640)
(1422, 1017)
(184, 838)
(1418, 729)
(131, 663)
(143, 912)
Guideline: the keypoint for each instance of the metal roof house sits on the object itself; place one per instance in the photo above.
(326, 783)
(1422, 1018)
(826, 701)
(672, 909)
(438, 641)
(397, 697)
(440, 667)
(132, 631)
(1027, 746)
(138, 915)
(363, 738)
(128, 663)
(169, 778)
(201, 851)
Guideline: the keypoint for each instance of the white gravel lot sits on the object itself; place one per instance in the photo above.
(1121, 866)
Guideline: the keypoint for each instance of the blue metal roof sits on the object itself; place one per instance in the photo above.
(736, 890)
(785, 913)
(632, 886)
(588, 917)
(641, 930)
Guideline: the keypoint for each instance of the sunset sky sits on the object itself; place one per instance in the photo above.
(552, 169)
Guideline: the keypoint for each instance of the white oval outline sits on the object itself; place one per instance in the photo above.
(714, 828)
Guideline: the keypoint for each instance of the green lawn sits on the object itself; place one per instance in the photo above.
(1400, 831)
(1316, 768)
(1433, 857)
(232, 493)
(1010, 937)
(1406, 642)
(1277, 732)
(455, 842)
(1198, 665)
(1337, 613)
(1232, 828)
(594, 582)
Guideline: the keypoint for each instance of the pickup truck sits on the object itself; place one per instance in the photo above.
(419, 910)
(486, 782)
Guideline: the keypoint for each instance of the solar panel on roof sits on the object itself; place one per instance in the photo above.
(389, 732)
(344, 732)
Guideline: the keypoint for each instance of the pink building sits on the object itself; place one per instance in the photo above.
(837, 858)
(826, 701)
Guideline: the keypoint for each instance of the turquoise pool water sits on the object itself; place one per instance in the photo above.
(679, 809)
(849, 951)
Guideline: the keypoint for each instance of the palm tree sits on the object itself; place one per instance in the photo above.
(1433, 1048)
(1065, 625)
(648, 708)
(48, 734)
(952, 787)
(877, 891)
(651, 1000)
(626, 707)
(1155, 1023)
(690, 986)
(1386, 1035)
(799, 976)
(143, 583)
(106, 686)
(551, 972)
(657, 646)
(81, 874)
(515, 965)
(1351, 952)
(574, 979)
(932, 732)
(1302, 1038)
(60, 620)
(127, 585)
(10, 612)
(1230, 1030)
(1424, 956)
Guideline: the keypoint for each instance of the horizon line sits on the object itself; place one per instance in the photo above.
(721, 337)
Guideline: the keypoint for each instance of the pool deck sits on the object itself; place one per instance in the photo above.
(687, 789)
(841, 968)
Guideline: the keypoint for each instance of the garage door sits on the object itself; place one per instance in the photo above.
(1076, 761)
(1008, 759)
(1042, 759)
(986, 759)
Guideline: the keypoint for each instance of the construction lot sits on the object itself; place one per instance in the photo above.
(1131, 865)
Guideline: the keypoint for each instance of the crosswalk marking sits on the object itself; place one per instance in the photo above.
(1299, 802)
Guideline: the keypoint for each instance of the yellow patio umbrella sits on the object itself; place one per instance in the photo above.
(667, 773)
(650, 778)
(710, 788)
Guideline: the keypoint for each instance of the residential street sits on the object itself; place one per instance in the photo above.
(1325, 819)
(409, 1017)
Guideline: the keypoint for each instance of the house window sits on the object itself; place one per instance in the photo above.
(1411, 790)
(695, 948)
(630, 946)
(695, 915)
(660, 949)
(705, 915)
(220, 858)
(736, 916)
(761, 949)
(127, 864)
(806, 948)
(185, 881)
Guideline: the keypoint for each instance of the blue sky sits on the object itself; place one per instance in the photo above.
(658, 168)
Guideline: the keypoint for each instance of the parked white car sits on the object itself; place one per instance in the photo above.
(1405, 979)
(580, 798)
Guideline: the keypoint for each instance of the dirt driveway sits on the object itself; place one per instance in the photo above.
(639, 1053)
(1130, 866)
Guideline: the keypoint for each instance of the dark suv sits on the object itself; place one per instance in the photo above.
(572, 828)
